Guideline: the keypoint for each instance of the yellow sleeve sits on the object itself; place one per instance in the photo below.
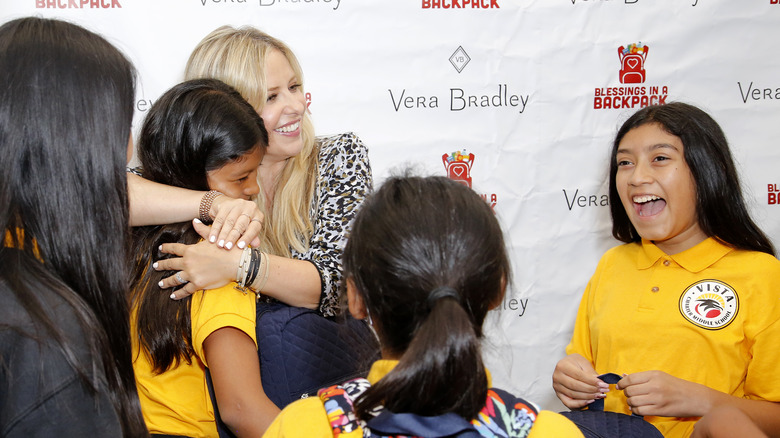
(580, 338)
(549, 424)
(214, 309)
(303, 418)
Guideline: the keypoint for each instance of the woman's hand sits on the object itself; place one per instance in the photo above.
(201, 266)
(576, 382)
(234, 220)
(661, 394)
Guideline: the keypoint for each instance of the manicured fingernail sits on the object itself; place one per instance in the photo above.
(221, 243)
(212, 239)
(159, 248)
(154, 265)
(197, 221)
(229, 245)
(160, 283)
(241, 244)
(173, 296)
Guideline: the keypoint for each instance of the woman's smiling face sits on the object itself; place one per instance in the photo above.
(657, 189)
(284, 108)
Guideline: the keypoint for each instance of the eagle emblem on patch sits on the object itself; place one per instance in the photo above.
(709, 304)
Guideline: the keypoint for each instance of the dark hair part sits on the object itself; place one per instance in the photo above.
(720, 206)
(66, 108)
(412, 238)
(195, 127)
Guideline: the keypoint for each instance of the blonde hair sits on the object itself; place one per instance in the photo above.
(237, 57)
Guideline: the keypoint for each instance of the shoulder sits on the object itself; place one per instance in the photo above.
(617, 255)
(622, 250)
(755, 261)
(549, 423)
(41, 389)
(306, 417)
(347, 144)
(17, 322)
(214, 309)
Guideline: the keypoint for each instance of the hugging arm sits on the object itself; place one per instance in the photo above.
(236, 221)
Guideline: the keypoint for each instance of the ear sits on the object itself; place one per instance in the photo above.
(357, 307)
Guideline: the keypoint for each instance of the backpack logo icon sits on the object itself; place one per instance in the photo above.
(458, 166)
(632, 61)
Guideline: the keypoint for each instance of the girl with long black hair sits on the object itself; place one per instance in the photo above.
(66, 106)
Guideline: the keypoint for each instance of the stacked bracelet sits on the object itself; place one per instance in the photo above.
(259, 283)
(254, 267)
(205, 205)
(253, 270)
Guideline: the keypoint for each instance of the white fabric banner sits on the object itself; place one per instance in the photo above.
(519, 98)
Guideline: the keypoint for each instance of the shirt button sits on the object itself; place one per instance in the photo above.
(654, 289)
(666, 262)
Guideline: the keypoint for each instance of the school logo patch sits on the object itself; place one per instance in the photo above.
(709, 304)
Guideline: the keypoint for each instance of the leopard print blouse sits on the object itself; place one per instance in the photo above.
(343, 182)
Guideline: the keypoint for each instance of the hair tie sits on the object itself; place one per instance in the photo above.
(442, 292)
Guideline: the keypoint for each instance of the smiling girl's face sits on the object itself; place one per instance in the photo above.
(657, 189)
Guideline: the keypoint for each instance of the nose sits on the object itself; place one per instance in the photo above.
(294, 103)
(641, 174)
(252, 188)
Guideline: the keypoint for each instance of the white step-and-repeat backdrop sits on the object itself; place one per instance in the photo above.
(519, 98)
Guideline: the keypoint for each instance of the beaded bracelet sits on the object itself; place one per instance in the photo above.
(205, 205)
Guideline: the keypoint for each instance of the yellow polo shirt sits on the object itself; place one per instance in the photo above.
(307, 417)
(708, 315)
(177, 401)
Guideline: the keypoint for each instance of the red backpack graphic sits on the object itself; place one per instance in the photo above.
(632, 60)
(458, 167)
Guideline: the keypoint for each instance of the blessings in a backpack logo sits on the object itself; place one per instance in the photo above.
(632, 75)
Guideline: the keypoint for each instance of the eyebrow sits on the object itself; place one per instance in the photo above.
(652, 148)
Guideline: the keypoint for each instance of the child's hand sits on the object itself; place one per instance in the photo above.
(576, 382)
(661, 394)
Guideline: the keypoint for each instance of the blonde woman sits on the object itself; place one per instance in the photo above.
(311, 187)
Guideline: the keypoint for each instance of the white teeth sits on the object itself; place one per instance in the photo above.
(288, 128)
(645, 198)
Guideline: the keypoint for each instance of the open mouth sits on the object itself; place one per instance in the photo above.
(648, 205)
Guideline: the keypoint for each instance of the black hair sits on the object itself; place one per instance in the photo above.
(195, 127)
(66, 109)
(720, 206)
(427, 256)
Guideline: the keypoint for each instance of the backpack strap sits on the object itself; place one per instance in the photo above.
(505, 415)
(338, 402)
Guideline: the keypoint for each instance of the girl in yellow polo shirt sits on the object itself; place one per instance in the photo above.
(199, 135)
(687, 310)
(424, 263)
